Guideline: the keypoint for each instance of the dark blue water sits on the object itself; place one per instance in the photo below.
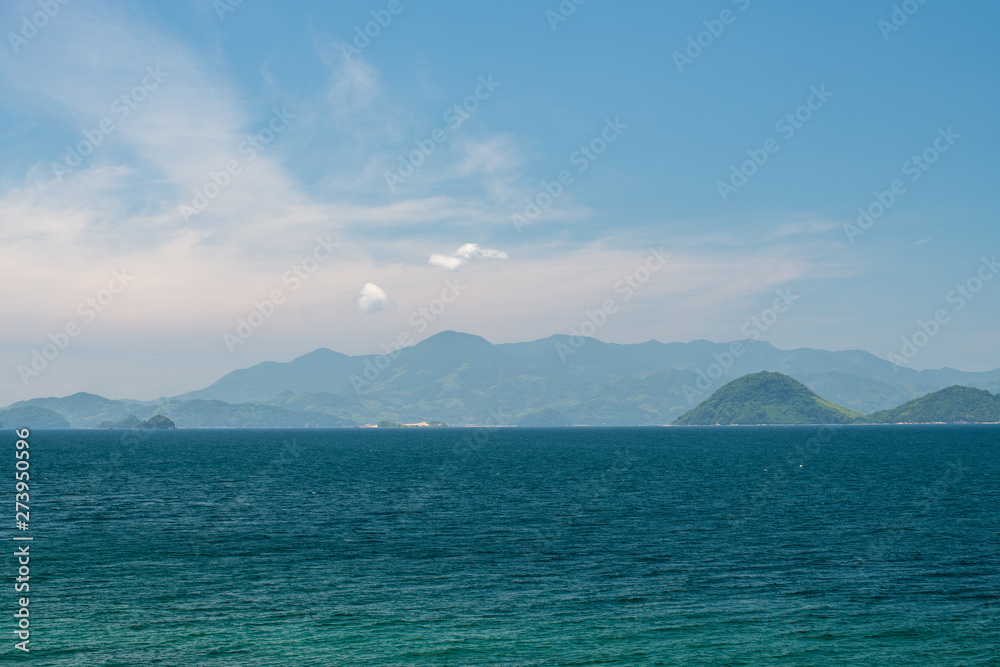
(658, 546)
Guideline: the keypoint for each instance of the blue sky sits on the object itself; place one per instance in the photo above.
(291, 127)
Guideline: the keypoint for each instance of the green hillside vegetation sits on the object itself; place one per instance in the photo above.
(953, 404)
(766, 398)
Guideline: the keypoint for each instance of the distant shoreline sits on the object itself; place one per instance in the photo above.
(506, 426)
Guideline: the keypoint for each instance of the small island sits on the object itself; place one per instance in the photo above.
(951, 405)
(385, 423)
(156, 422)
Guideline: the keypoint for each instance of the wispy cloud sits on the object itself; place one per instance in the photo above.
(354, 82)
(464, 254)
(802, 228)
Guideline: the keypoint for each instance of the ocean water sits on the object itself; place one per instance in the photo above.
(590, 546)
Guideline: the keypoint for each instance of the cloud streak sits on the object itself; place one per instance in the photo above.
(462, 256)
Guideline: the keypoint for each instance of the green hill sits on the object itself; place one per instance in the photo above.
(953, 404)
(766, 398)
(32, 417)
(157, 422)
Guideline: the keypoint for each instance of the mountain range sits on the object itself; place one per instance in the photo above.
(459, 378)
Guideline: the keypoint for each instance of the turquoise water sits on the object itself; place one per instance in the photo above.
(654, 546)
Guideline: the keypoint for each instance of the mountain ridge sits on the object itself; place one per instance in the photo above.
(459, 378)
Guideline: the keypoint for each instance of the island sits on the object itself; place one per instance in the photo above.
(766, 398)
(385, 423)
(773, 398)
(156, 422)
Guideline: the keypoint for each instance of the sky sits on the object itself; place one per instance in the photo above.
(193, 187)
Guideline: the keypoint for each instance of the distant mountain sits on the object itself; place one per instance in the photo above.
(74, 412)
(767, 398)
(459, 378)
(216, 414)
(129, 422)
(860, 393)
(319, 371)
(952, 404)
(546, 417)
(31, 417)
(89, 410)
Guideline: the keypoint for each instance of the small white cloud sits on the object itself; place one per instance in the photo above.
(372, 299)
(446, 261)
(464, 254)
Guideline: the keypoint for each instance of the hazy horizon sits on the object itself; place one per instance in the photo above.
(391, 352)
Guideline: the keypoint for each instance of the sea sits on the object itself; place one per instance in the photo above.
(804, 545)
